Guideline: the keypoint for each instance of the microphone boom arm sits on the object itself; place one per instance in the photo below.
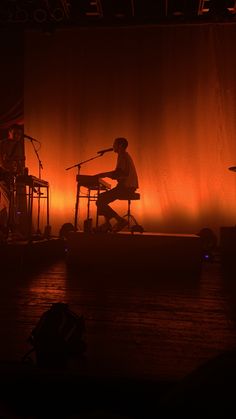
(82, 162)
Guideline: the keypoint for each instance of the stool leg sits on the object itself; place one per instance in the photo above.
(130, 216)
(129, 213)
(136, 227)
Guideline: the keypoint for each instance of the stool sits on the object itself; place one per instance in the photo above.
(135, 196)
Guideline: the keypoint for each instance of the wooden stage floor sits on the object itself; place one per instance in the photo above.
(153, 341)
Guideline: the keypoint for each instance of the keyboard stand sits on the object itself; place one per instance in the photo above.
(36, 189)
(88, 182)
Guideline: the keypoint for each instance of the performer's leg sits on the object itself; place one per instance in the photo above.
(104, 209)
(103, 201)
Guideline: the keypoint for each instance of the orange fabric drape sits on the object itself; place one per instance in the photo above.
(170, 89)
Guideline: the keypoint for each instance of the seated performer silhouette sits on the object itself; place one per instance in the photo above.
(127, 182)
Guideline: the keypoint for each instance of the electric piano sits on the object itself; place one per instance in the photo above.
(32, 181)
(93, 182)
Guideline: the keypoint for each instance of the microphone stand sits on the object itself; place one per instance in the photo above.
(39, 192)
(78, 165)
(40, 163)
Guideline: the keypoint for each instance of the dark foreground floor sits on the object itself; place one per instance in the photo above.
(155, 346)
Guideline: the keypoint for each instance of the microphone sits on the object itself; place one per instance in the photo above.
(30, 138)
(104, 151)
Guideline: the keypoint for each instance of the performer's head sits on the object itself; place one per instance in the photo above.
(15, 132)
(120, 144)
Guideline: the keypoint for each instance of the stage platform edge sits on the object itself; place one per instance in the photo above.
(149, 252)
(23, 255)
(228, 249)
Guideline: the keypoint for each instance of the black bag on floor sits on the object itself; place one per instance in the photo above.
(58, 335)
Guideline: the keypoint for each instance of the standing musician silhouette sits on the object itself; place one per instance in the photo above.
(12, 163)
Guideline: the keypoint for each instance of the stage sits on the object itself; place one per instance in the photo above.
(28, 255)
(149, 253)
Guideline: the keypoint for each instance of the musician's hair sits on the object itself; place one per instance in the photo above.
(122, 141)
(16, 126)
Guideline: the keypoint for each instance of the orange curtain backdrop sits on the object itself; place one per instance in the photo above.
(171, 90)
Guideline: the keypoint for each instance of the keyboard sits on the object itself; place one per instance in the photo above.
(31, 181)
(93, 182)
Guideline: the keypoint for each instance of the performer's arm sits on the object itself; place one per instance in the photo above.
(114, 174)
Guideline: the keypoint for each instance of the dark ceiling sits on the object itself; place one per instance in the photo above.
(35, 13)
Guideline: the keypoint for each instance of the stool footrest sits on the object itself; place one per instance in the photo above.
(133, 196)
